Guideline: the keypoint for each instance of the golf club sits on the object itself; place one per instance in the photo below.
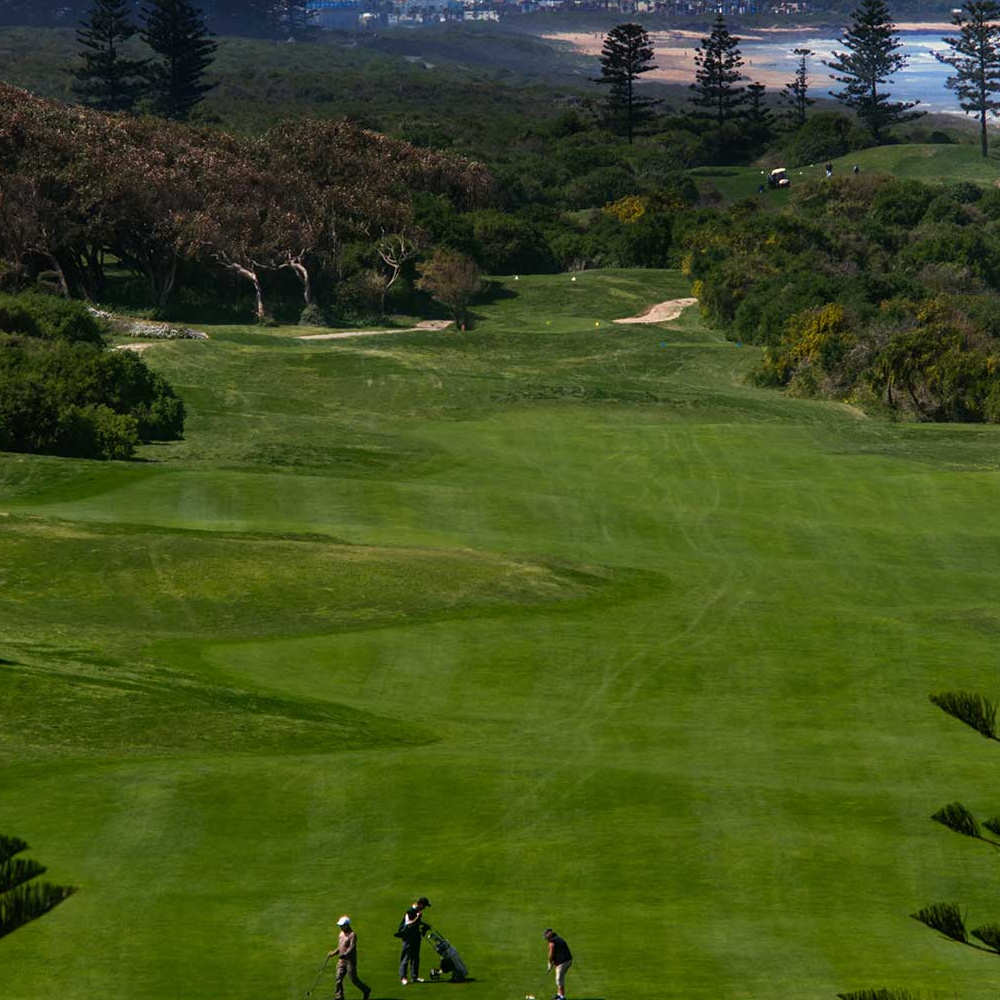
(319, 975)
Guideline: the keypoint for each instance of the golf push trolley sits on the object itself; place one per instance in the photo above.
(451, 961)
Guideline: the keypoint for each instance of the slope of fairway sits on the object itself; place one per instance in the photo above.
(557, 622)
(931, 163)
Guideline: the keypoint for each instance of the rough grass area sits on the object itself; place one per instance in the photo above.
(557, 622)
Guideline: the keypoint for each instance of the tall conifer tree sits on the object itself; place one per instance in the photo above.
(759, 117)
(795, 92)
(176, 32)
(717, 78)
(975, 58)
(626, 54)
(108, 80)
(872, 58)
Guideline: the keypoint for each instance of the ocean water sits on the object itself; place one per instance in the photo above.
(922, 80)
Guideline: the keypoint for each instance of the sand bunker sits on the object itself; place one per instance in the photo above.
(427, 324)
(662, 312)
(137, 347)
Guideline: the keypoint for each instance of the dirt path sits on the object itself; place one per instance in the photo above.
(662, 312)
(427, 324)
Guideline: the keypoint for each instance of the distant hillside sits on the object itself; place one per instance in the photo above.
(435, 86)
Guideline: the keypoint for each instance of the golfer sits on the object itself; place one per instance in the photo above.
(560, 959)
(347, 960)
(411, 931)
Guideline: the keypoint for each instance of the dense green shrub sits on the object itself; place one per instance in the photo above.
(442, 224)
(507, 244)
(74, 397)
(49, 317)
(824, 136)
(944, 208)
(312, 315)
(899, 309)
(598, 187)
(902, 203)
(648, 242)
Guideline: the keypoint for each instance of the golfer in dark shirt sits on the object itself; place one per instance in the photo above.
(560, 959)
(411, 931)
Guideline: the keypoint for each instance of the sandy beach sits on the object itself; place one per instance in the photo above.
(674, 54)
(674, 50)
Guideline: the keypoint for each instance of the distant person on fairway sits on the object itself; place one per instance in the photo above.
(347, 960)
(560, 959)
(411, 931)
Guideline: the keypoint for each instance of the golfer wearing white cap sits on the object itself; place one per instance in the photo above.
(347, 960)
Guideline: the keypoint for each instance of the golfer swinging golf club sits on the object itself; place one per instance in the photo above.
(347, 960)
(560, 959)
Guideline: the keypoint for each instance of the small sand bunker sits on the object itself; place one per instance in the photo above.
(427, 324)
(137, 347)
(662, 312)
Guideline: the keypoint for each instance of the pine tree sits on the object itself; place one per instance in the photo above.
(872, 58)
(720, 69)
(176, 32)
(107, 80)
(625, 55)
(759, 117)
(975, 57)
(794, 93)
(295, 18)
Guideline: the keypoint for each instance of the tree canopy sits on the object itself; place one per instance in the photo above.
(795, 93)
(975, 57)
(108, 79)
(716, 89)
(626, 54)
(164, 198)
(871, 59)
(176, 32)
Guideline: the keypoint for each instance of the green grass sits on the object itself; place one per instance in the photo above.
(930, 163)
(558, 622)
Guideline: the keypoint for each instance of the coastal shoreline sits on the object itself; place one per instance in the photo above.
(675, 48)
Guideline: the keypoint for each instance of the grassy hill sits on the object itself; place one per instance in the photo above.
(402, 81)
(929, 163)
(557, 622)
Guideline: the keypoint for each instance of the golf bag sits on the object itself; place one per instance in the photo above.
(451, 961)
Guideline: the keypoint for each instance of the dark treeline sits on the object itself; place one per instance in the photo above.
(251, 18)
(176, 206)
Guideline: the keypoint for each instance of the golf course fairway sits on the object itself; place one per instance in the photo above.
(558, 622)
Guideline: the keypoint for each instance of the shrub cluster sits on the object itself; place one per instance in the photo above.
(879, 291)
(62, 392)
